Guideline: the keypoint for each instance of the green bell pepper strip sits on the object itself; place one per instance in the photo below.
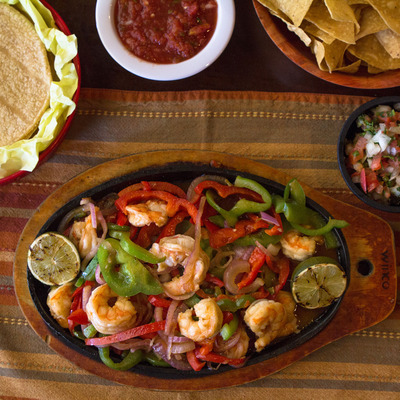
(255, 187)
(296, 192)
(278, 202)
(332, 223)
(230, 218)
(90, 331)
(79, 334)
(134, 249)
(260, 237)
(131, 278)
(226, 304)
(191, 301)
(230, 328)
(127, 362)
(116, 227)
(331, 240)
(242, 206)
(298, 214)
(155, 361)
(89, 273)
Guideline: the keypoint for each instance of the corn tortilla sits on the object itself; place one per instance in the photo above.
(25, 76)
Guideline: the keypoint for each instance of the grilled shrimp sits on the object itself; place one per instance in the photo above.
(142, 214)
(209, 321)
(59, 301)
(110, 313)
(266, 318)
(177, 250)
(84, 236)
(296, 246)
(286, 299)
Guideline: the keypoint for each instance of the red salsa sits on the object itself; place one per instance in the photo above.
(165, 31)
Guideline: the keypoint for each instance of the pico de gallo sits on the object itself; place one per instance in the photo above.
(165, 31)
(373, 155)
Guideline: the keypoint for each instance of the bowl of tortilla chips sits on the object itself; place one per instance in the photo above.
(353, 43)
(41, 82)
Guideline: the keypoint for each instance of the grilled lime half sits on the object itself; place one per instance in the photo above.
(317, 282)
(53, 259)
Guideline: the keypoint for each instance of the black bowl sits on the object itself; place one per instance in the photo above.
(348, 132)
(174, 172)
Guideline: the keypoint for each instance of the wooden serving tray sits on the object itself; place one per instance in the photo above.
(369, 299)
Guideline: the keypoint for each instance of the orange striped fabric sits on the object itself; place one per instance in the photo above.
(290, 131)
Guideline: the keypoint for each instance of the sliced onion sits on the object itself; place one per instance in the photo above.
(234, 269)
(98, 276)
(269, 218)
(180, 339)
(86, 292)
(219, 257)
(231, 274)
(244, 253)
(190, 194)
(179, 348)
(190, 263)
(221, 345)
(171, 319)
(158, 314)
(62, 226)
(133, 344)
(160, 348)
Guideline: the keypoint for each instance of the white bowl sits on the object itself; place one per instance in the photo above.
(164, 72)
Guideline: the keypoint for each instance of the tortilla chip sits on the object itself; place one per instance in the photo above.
(25, 76)
(341, 11)
(373, 70)
(372, 52)
(370, 22)
(319, 15)
(318, 50)
(390, 41)
(351, 68)
(295, 10)
(313, 30)
(295, 29)
(329, 56)
(356, 2)
(389, 10)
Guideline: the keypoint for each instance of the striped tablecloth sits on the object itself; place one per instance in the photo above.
(296, 133)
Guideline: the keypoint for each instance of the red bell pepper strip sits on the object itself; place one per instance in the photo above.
(242, 228)
(225, 191)
(227, 317)
(256, 261)
(218, 359)
(133, 231)
(214, 280)
(206, 346)
(129, 334)
(146, 185)
(170, 228)
(79, 317)
(194, 362)
(122, 219)
(158, 301)
(146, 234)
(173, 203)
(154, 185)
(283, 265)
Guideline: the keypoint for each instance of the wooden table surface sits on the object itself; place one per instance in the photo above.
(251, 60)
